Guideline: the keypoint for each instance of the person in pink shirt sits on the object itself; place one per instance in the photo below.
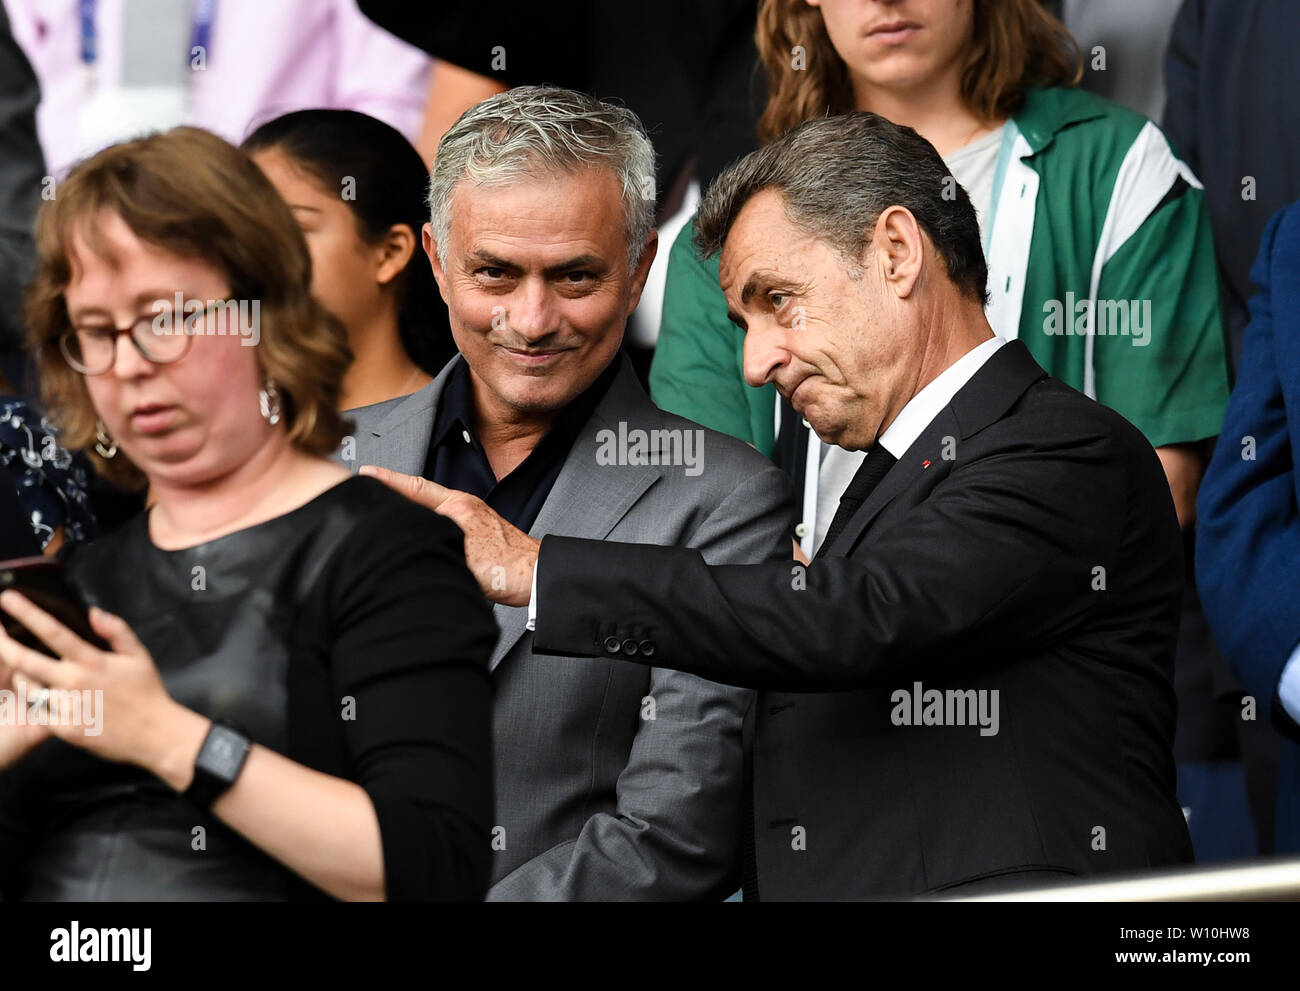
(238, 63)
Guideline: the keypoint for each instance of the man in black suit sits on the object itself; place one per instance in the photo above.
(970, 687)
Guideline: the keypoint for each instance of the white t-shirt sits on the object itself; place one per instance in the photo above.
(973, 166)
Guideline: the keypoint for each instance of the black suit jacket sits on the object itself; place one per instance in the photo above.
(1026, 544)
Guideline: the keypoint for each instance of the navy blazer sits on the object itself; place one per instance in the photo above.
(1248, 543)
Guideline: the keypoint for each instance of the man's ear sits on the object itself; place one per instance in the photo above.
(395, 252)
(642, 270)
(899, 249)
(431, 249)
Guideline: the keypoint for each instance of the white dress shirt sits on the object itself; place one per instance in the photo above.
(922, 408)
(910, 423)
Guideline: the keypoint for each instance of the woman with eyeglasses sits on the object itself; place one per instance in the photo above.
(292, 698)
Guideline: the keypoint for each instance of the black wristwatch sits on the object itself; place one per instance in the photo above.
(218, 764)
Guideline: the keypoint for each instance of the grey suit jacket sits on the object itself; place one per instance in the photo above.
(613, 780)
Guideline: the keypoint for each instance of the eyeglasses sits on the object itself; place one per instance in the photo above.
(161, 339)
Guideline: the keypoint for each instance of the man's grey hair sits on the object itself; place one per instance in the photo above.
(837, 175)
(533, 131)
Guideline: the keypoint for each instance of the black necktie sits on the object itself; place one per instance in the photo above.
(873, 469)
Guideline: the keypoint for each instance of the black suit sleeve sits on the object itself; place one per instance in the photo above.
(412, 637)
(1000, 559)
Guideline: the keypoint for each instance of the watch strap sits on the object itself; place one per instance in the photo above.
(218, 764)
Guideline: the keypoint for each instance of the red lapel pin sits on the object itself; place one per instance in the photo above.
(925, 464)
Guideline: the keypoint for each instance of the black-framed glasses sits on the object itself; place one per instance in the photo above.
(162, 338)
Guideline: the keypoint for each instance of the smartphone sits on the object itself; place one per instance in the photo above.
(44, 583)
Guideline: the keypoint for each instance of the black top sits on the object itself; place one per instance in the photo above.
(700, 97)
(457, 460)
(347, 635)
(16, 537)
(52, 482)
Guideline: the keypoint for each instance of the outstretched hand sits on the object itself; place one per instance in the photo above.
(500, 556)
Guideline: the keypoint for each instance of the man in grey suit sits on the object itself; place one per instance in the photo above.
(613, 781)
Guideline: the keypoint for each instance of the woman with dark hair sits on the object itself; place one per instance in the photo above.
(357, 189)
(1096, 235)
(291, 698)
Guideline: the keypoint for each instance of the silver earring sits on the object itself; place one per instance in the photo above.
(104, 444)
(269, 399)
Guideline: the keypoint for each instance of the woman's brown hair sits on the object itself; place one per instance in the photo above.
(1016, 44)
(191, 193)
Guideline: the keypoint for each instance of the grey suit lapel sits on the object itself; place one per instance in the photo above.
(400, 441)
(588, 499)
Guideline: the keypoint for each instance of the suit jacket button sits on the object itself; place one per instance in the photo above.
(647, 648)
(612, 645)
(629, 648)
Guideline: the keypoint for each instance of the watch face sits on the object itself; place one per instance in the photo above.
(224, 752)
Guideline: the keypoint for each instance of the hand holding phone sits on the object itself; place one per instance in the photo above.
(43, 581)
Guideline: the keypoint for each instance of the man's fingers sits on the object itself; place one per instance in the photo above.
(465, 511)
(415, 488)
(45, 627)
(459, 507)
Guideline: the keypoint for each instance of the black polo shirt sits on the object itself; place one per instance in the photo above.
(457, 460)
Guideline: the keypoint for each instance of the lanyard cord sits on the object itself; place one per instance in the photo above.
(205, 12)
